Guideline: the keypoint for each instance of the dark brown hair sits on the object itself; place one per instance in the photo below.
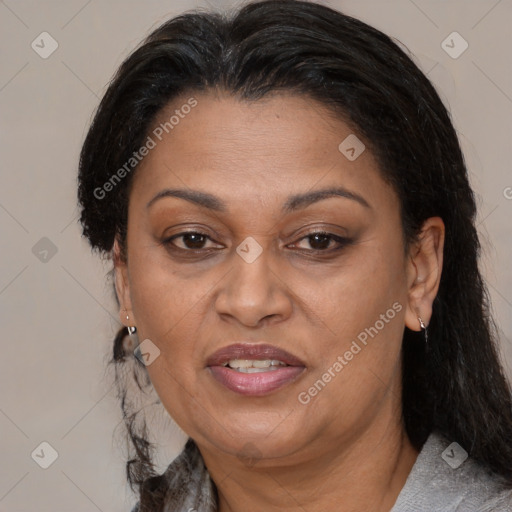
(362, 75)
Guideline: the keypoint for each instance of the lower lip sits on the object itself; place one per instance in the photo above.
(255, 384)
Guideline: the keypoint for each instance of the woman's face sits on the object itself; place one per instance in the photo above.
(252, 272)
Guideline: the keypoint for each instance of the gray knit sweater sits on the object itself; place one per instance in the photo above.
(440, 481)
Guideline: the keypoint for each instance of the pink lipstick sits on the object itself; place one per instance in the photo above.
(254, 369)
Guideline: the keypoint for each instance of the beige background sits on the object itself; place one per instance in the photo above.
(58, 316)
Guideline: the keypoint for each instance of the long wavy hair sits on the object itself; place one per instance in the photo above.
(365, 78)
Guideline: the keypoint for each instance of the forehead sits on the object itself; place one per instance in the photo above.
(280, 144)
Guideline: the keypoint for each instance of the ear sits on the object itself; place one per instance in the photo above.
(424, 267)
(122, 283)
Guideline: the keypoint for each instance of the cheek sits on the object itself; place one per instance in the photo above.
(169, 312)
(174, 312)
(355, 297)
(362, 309)
(169, 309)
(359, 347)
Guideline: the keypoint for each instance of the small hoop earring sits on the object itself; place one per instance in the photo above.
(131, 329)
(424, 327)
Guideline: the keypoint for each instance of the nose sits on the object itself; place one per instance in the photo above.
(253, 291)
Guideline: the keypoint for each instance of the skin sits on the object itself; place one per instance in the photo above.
(348, 444)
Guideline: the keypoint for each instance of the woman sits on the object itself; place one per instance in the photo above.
(288, 212)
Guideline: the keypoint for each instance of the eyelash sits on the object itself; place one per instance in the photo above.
(342, 241)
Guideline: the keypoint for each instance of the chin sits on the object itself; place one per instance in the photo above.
(258, 441)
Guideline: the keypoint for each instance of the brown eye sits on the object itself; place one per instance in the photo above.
(321, 241)
(191, 240)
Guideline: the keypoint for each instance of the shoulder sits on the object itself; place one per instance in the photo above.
(445, 479)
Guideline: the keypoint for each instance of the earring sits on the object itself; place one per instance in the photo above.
(424, 327)
(131, 330)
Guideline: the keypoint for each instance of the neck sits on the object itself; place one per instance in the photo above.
(366, 472)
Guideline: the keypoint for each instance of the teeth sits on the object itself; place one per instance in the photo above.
(256, 370)
(254, 366)
(240, 363)
(262, 364)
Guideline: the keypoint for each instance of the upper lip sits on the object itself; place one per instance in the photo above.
(259, 351)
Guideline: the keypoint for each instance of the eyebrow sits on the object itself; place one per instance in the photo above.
(293, 203)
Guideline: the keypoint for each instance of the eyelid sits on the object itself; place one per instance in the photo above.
(166, 241)
(341, 240)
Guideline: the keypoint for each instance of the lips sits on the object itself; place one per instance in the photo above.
(252, 351)
(271, 368)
